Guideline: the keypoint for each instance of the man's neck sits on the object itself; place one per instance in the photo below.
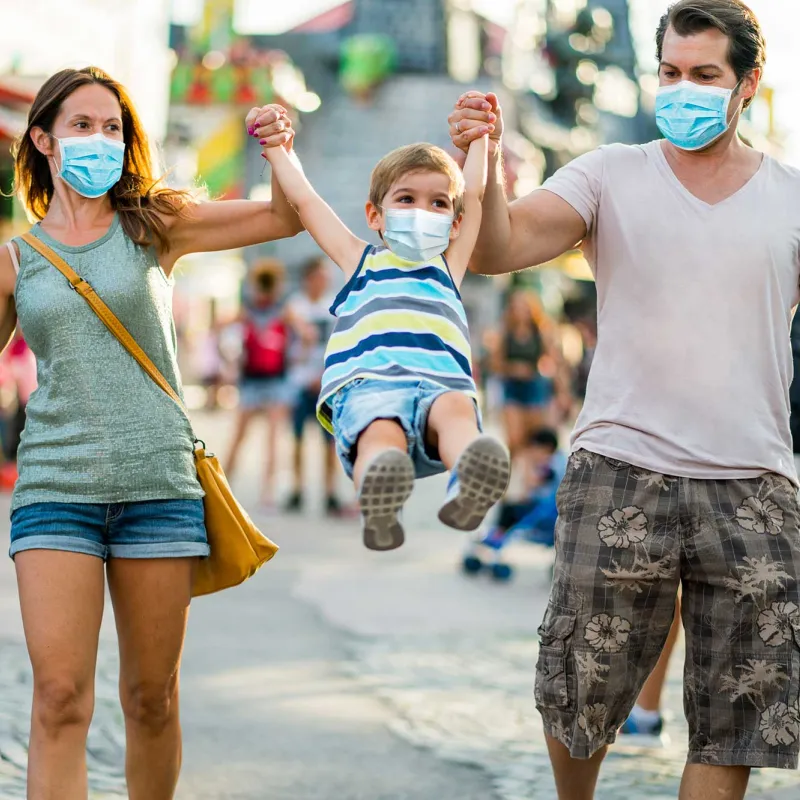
(729, 150)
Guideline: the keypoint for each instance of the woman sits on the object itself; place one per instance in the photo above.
(267, 328)
(526, 392)
(106, 470)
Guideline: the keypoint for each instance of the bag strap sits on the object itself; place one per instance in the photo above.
(106, 315)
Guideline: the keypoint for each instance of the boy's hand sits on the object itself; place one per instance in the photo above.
(271, 125)
(476, 114)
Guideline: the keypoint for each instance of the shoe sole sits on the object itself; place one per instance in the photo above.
(483, 472)
(387, 485)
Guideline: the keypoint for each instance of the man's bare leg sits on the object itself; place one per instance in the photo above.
(704, 782)
(576, 779)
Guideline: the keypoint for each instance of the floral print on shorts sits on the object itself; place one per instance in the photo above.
(626, 541)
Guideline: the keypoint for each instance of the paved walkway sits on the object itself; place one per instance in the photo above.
(340, 674)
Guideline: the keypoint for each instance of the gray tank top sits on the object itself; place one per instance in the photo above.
(98, 429)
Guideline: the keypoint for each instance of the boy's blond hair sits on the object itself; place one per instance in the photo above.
(421, 157)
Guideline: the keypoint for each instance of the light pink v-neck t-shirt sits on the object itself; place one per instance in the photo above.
(693, 363)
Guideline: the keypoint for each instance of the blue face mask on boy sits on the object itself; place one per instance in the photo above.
(692, 116)
(417, 235)
(91, 165)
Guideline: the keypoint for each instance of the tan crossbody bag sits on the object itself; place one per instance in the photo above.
(238, 548)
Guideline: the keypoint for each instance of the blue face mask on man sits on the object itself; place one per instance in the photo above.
(417, 235)
(692, 116)
(91, 165)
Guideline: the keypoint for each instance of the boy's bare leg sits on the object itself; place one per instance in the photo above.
(575, 778)
(479, 464)
(384, 477)
(383, 434)
(452, 425)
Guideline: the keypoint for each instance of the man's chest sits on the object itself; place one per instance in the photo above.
(651, 232)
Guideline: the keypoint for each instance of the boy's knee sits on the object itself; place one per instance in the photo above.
(454, 404)
(386, 431)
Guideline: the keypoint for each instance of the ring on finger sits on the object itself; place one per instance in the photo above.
(458, 126)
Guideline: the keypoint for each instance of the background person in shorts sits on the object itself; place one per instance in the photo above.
(311, 305)
(526, 392)
(681, 470)
(264, 389)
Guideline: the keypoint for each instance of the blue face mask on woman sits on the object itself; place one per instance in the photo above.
(91, 165)
(692, 116)
(417, 235)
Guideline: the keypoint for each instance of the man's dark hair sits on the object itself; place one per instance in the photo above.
(544, 437)
(748, 50)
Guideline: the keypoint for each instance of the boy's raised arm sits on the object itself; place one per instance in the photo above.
(475, 176)
(328, 231)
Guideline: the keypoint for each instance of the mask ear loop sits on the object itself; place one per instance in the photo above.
(54, 138)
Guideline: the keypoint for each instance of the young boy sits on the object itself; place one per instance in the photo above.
(397, 392)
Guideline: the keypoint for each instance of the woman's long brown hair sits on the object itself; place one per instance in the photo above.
(139, 197)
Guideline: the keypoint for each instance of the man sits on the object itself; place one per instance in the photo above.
(682, 469)
(311, 305)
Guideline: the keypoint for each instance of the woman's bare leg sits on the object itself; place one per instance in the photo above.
(151, 606)
(61, 596)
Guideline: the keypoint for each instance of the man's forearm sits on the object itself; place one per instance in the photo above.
(495, 231)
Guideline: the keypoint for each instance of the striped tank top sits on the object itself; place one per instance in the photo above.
(397, 320)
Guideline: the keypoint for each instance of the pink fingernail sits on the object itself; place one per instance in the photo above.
(262, 141)
(263, 155)
(250, 131)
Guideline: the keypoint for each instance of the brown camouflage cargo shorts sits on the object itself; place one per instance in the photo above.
(626, 540)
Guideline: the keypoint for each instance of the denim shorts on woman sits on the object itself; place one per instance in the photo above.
(149, 529)
(363, 401)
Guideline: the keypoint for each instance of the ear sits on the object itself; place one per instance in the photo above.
(42, 141)
(456, 229)
(750, 84)
(374, 217)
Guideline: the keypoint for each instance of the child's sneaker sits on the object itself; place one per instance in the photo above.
(478, 481)
(387, 484)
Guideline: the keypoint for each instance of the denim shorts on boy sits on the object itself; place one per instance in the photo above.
(626, 539)
(363, 401)
(149, 529)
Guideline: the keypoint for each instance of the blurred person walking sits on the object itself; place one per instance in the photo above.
(311, 305)
(527, 394)
(264, 389)
(107, 481)
(682, 471)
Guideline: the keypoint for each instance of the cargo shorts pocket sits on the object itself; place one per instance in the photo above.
(555, 680)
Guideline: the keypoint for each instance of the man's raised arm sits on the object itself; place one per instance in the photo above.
(527, 232)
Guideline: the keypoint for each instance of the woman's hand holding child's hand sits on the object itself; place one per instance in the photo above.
(272, 127)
